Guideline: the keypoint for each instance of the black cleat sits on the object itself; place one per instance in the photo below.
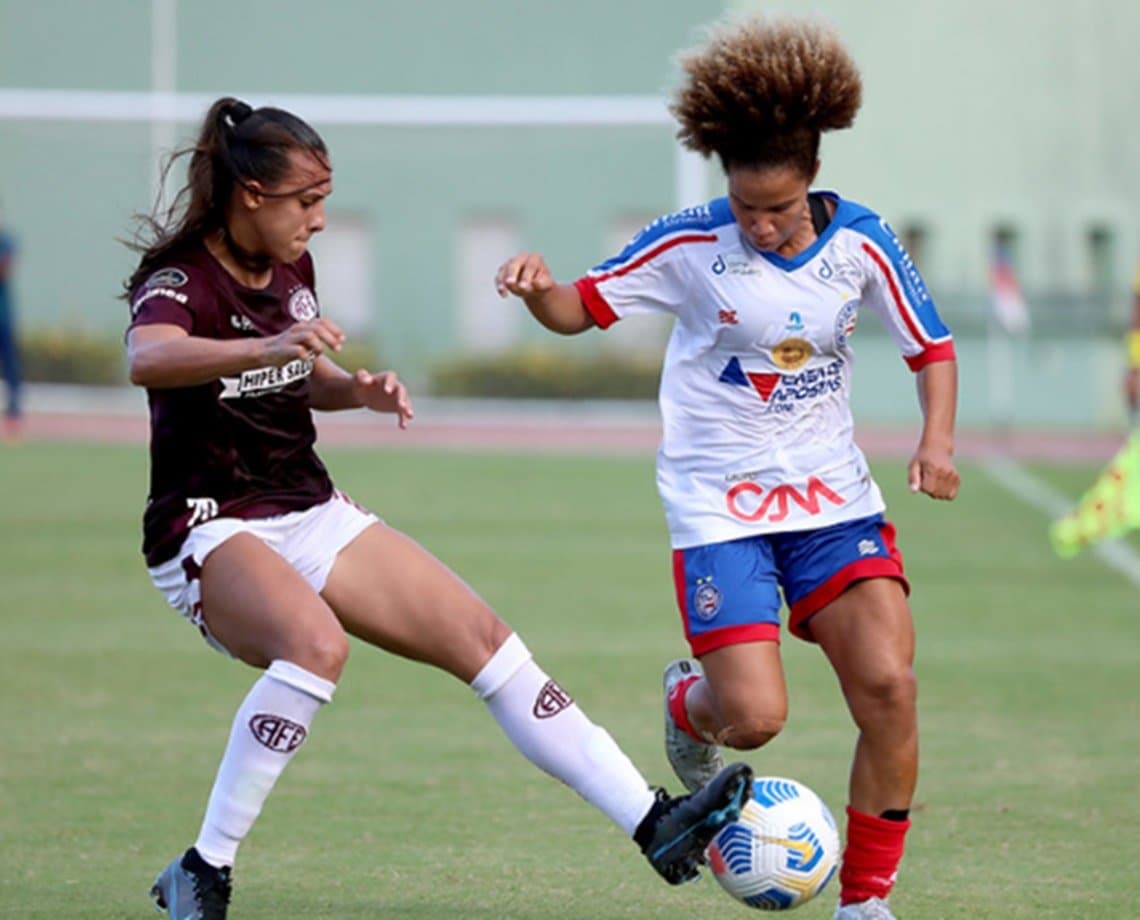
(675, 833)
(191, 889)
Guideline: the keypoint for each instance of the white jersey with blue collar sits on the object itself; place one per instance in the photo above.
(755, 388)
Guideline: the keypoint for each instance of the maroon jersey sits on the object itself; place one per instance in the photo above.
(241, 445)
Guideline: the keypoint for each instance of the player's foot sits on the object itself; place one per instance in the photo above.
(694, 762)
(675, 833)
(871, 909)
(191, 889)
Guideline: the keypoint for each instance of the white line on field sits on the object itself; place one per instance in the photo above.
(1018, 481)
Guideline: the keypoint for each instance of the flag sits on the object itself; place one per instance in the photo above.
(1008, 302)
(1110, 508)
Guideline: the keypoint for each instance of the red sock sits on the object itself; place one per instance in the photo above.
(677, 706)
(871, 858)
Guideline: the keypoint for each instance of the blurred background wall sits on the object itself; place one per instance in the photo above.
(983, 123)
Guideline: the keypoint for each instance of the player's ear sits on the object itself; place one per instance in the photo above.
(250, 194)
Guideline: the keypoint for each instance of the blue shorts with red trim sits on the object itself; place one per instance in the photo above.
(732, 592)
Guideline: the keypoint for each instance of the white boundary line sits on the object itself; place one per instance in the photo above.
(1019, 482)
(343, 109)
(164, 109)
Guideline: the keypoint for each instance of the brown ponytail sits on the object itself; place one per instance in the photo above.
(236, 145)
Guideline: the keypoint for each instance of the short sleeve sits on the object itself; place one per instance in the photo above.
(166, 296)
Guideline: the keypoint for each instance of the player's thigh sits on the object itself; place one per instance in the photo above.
(389, 591)
(258, 607)
(747, 684)
(867, 634)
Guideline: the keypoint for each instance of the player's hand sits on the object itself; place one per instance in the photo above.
(931, 471)
(524, 275)
(303, 340)
(384, 392)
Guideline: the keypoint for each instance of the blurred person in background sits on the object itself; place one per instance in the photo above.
(1110, 508)
(767, 497)
(1132, 346)
(246, 536)
(9, 341)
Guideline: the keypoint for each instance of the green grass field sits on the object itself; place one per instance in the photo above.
(407, 802)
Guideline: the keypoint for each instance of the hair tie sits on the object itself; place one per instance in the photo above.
(236, 112)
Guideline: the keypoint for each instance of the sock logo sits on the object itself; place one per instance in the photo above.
(277, 733)
(551, 700)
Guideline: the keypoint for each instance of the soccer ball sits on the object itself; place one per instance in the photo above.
(782, 850)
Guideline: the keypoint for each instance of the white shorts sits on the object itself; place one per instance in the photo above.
(308, 540)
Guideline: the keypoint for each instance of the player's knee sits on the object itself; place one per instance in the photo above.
(887, 696)
(749, 734)
(324, 654)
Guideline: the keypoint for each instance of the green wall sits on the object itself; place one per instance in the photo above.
(976, 114)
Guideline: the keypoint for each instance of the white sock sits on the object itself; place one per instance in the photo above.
(267, 730)
(549, 729)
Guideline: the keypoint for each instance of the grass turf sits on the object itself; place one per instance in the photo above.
(407, 802)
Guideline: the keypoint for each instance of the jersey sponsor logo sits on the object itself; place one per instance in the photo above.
(782, 391)
(845, 321)
(868, 548)
(727, 317)
(263, 380)
(167, 277)
(166, 292)
(733, 265)
(912, 280)
(241, 323)
(795, 322)
(277, 733)
(792, 354)
(826, 272)
(707, 599)
(551, 700)
(303, 305)
(201, 510)
(748, 501)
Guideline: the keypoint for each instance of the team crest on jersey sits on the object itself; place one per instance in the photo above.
(792, 354)
(303, 305)
(707, 599)
(845, 321)
(167, 277)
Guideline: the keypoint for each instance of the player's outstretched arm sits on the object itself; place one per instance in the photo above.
(163, 355)
(931, 470)
(557, 306)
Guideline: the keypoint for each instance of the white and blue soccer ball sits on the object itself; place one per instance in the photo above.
(782, 850)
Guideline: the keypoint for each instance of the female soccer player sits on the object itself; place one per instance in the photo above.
(765, 492)
(245, 534)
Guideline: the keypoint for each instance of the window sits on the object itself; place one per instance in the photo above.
(342, 253)
(1100, 246)
(485, 321)
(1005, 244)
